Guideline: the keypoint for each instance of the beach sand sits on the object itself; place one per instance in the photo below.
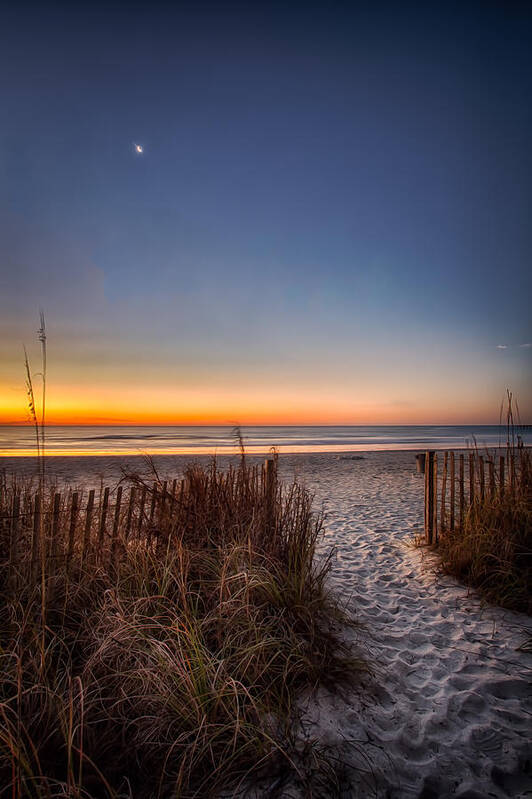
(448, 709)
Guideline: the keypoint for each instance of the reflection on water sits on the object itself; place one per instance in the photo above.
(15, 440)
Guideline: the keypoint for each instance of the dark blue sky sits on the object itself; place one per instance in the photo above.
(329, 195)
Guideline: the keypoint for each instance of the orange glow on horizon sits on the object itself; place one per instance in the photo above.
(245, 416)
(246, 404)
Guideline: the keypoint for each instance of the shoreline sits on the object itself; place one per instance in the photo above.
(254, 451)
(192, 441)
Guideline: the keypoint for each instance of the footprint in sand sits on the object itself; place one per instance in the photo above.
(449, 721)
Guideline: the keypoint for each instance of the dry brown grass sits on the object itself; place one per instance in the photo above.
(169, 663)
(493, 551)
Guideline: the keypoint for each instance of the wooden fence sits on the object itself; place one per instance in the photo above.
(455, 481)
(96, 524)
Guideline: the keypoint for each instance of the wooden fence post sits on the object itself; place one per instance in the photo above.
(88, 522)
(524, 466)
(461, 490)
(501, 474)
(141, 511)
(435, 500)
(471, 478)
(72, 530)
(491, 467)
(103, 518)
(270, 481)
(163, 505)
(153, 503)
(55, 528)
(269, 469)
(130, 512)
(116, 523)
(152, 514)
(181, 504)
(451, 479)
(481, 477)
(443, 514)
(429, 496)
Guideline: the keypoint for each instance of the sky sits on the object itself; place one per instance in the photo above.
(329, 221)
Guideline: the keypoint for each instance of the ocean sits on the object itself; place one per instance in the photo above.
(127, 441)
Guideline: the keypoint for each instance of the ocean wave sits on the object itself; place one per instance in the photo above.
(142, 437)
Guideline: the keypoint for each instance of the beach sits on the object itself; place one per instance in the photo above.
(265, 401)
(446, 709)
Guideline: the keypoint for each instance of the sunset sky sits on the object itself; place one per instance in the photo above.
(328, 220)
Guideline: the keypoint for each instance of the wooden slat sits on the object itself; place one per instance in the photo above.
(129, 517)
(153, 503)
(116, 524)
(163, 508)
(141, 510)
(88, 524)
(491, 469)
(461, 491)
(103, 518)
(471, 478)
(429, 497)
(72, 527)
(154, 497)
(481, 477)
(181, 504)
(270, 479)
(435, 500)
(162, 503)
(443, 515)
(452, 487)
(502, 486)
(56, 513)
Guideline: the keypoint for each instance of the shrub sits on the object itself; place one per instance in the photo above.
(166, 663)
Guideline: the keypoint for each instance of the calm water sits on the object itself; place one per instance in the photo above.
(18, 441)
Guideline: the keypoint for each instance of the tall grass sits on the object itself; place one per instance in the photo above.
(493, 550)
(40, 428)
(39, 424)
(168, 663)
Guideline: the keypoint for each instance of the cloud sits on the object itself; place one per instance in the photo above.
(526, 346)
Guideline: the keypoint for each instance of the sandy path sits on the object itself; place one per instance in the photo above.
(450, 708)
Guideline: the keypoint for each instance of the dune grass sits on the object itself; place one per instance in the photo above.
(168, 664)
(493, 551)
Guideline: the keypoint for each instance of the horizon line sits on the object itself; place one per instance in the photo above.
(280, 424)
